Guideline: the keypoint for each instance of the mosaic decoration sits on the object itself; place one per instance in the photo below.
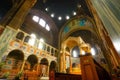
(76, 23)
(5, 38)
(82, 22)
(66, 29)
(28, 50)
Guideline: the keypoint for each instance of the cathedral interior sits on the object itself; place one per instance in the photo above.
(60, 39)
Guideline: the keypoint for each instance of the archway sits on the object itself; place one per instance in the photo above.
(53, 66)
(14, 59)
(70, 53)
(20, 35)
(75, 60)
(33, 60)
(44, 67)
(97, 50)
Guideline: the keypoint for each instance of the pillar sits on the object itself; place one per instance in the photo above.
(23, 64)
(70, 62)
(104, 37)
(48, 68)
(64, 62)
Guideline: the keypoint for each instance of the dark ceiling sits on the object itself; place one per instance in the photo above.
(5, 5)
(61, 8)
(58, 7)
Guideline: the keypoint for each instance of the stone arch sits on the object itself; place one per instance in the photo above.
(87, 35)
(27, 38)
(44, 61)
(44, 67)
(20, 35)
(15, 59)
(80, 29)
(68, 26)
(52, 66)
(65, 57)
(72, 42)
(17, 54)
(48, 48)
(33, 60)
(75, 51)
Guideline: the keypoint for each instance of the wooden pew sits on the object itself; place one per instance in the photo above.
(63, 76)
(90, 69)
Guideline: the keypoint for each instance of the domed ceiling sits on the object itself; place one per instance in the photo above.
(60, 8)
(63, 10)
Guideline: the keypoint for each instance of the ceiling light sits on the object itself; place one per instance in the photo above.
(67, 17)
(46, 9)
(52, 15)
(59, 18)
(79, 5)
(74, 13)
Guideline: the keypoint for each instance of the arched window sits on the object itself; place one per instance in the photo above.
(32, 39)
(42, 22)
(36, 18)
(40, 46)
(47, 27)
(20, 35)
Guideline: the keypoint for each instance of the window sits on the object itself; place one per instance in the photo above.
(42, 22)
(40, 46)
(47, 27)
(36, 18)
(32, 39)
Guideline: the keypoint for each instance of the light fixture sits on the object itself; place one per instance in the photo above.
(74, 13)
(46, 9)
(59, 18)
(67, 17)
(78, 5)
(52, 15)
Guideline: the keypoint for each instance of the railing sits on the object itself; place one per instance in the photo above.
(23, 38)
